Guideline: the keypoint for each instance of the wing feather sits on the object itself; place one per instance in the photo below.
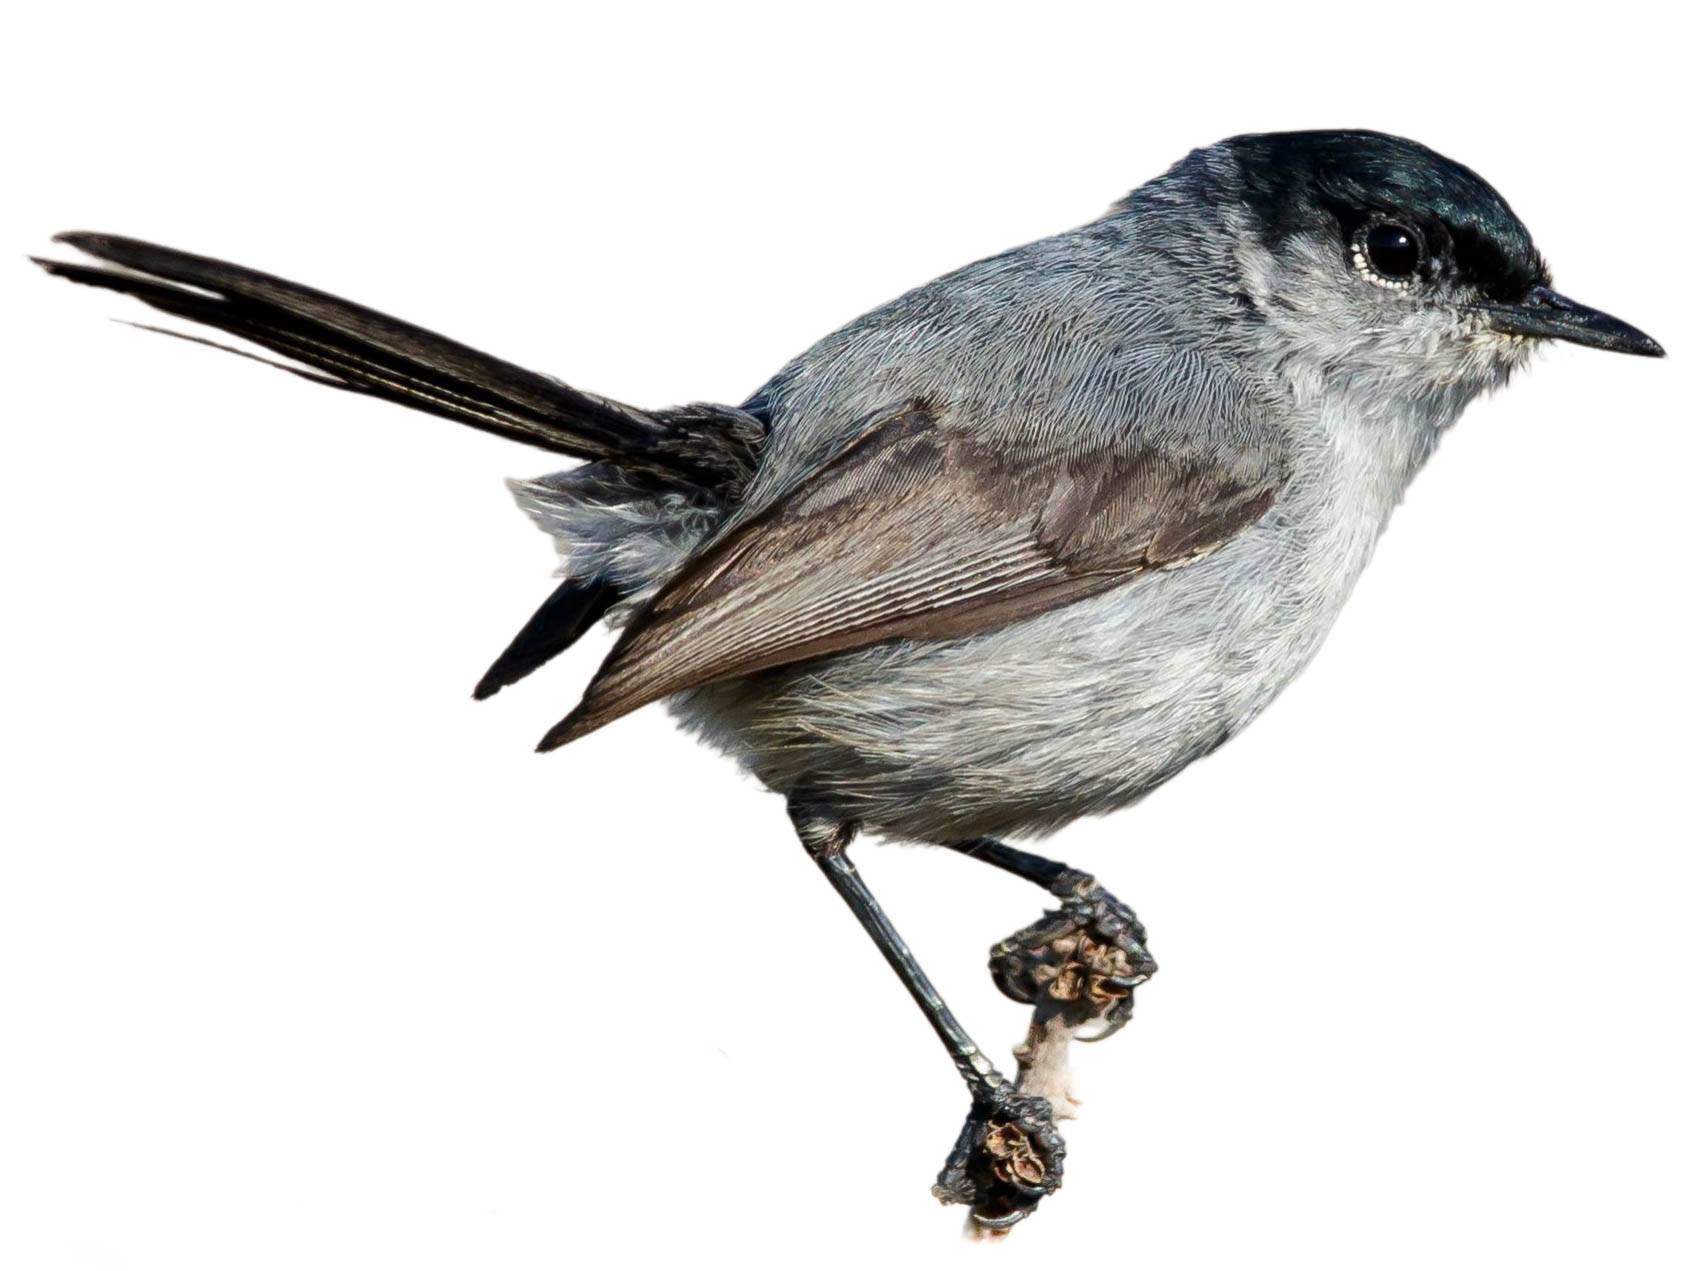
(921, 530)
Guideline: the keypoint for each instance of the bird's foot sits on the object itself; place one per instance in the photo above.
(1079, 963)
(1007, 1158)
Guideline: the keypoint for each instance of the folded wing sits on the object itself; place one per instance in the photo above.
(921, 530)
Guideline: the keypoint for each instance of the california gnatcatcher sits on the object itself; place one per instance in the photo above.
(1016, 547)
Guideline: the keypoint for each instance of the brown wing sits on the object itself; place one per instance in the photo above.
(918, 531)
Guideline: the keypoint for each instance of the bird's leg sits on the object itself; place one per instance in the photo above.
(1008, 1155)
(1077, 965)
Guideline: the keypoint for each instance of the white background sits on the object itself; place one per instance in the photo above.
(306, 961)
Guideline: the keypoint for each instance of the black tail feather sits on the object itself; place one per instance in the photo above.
(361, 350)
(574, 607)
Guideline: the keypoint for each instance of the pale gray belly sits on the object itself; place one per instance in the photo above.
(1023, 729)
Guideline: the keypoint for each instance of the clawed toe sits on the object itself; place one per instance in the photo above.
(1007, 1159)
(1080, 963)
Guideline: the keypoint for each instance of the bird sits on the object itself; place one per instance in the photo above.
(1014, 548)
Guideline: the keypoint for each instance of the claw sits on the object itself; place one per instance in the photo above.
(996, 1225)
(1110, 1024)
(1007, 1158)
(1082, 961)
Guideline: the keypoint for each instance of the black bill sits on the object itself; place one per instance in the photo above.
(1547, 315)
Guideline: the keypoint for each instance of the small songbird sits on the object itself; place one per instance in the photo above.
(1014, 548)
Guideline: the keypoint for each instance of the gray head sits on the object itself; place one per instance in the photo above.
(1369, 259)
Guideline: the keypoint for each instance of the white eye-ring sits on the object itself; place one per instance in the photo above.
(1372, 276)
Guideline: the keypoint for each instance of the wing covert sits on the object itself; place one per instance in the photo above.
(920, 530)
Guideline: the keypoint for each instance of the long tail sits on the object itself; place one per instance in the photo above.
(700, 451)
(351, 347)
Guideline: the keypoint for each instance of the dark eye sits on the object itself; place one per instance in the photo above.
(1392, 250)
